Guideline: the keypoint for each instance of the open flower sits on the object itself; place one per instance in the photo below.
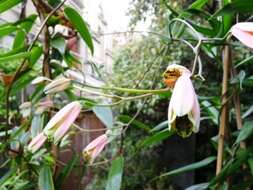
(243, 31)
(172, 73)
(95, 147)
(37, 142)
(184, 111)
(60, 123)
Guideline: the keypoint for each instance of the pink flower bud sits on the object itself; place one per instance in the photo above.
(243, 31)
(40, 79)
(94, 148)
(43, 106)
(184, 111)
(37, 142)
(60, 123)
(57, 85)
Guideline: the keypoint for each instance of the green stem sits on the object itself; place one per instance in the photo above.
(128, 90)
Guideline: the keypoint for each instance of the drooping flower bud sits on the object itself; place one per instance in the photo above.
(243, 31)
(25, 109)
(94, 148)
(184, 111)
(57, 85)
(43, 106)
(40, 79)
(37, 142)
(60, 123)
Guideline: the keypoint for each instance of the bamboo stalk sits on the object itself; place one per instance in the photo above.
(224, 108)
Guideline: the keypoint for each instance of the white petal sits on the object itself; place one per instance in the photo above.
(183, 95)
(244, 26)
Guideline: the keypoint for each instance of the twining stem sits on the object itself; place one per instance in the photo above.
(128, 90)
(224, 108)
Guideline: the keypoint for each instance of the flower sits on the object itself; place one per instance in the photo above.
(172, 73)
(43, 106)
(60, 123)
(184, 111)
(39, 80)
(57, 127)
(37, 142)
(243, 31)
(57, 85)
(93, 149)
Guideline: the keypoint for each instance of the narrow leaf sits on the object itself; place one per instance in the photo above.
(115, 174)
(245, 132)
(190, 167)
(135, 123)
(76, 20)
(155, 139)
(7, 4)
(66, 171)
(105, 115)
(45, 179)
(160, 126)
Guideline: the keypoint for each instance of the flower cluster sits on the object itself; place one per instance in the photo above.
(57, 127)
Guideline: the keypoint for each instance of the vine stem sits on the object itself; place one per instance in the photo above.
(224, 108)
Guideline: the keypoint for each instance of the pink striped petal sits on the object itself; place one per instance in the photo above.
(95, 147)
(37, 142)
(61, 115)
(68, 121)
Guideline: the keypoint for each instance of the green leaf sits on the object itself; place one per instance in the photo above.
(19, 39)
(27, 22)
(190, 167)
(7, 175)
(24, 79)
(231, 167)
(6, 30)
(7, 4)
(14, 57)
(155, 139)
(76, 20)
(212, 111)
(248, 112)
(70, 59)
(198, 4)
(250, 162)
(35, 54)
(105, 115)
(115, 174)
(237, 6)
(54, 3)
(244, 61)
(135, 123)
(245, 132)
(201, 186)
(58, 42)
(45, 178)
(66, 171)
(160, 126)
